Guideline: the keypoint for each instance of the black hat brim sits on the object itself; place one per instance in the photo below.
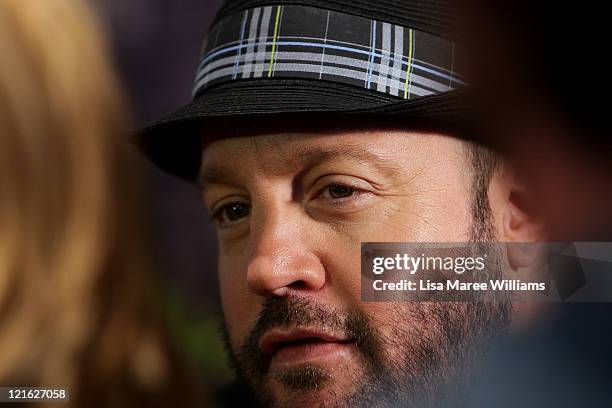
(175, 142)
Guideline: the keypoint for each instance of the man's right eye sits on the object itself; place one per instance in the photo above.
(231, 213)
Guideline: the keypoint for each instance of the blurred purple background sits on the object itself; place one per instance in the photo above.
(157, 47)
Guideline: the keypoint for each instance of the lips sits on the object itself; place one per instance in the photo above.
(304, 339)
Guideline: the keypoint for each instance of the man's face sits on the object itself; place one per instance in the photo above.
(291, 213)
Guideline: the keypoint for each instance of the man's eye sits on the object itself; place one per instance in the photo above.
(231, 213)
(337, 191)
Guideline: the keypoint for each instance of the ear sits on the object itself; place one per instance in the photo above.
(515, 216)
(517, 220)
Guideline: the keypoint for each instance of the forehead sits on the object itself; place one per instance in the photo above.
(287, 152)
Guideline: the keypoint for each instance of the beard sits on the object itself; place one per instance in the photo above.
(416, 355)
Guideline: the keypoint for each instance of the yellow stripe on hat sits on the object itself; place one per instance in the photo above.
(409, 69)
(278, 13)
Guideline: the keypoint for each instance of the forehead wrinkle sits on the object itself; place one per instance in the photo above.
(274, 153)
(291, 155)
(276, 143)
(262, 145)
(308, 156)
(216, 174)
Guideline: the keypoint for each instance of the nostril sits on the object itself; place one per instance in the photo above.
(283, 291)
(299, 285)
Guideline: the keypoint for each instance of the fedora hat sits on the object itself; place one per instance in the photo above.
(342, 61)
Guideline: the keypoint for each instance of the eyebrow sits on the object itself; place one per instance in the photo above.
(304, 157)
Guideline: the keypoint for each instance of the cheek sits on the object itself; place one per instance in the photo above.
(236, 300)
(400, 324)
(339, 251)
(447, 219)
(440, 213)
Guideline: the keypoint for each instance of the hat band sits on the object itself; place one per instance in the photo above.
(295, 41)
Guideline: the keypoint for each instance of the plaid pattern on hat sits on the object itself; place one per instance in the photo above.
(313, 43)
(264, 61)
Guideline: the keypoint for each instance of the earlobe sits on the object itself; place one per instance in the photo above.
(522, 255)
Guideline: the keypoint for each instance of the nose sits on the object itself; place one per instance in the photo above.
(283, 259)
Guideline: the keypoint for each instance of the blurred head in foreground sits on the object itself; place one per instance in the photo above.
(74, 272)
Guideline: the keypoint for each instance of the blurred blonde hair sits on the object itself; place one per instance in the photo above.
(75, 306)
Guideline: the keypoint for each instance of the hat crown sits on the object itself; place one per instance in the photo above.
(301, 40)
(441, 18)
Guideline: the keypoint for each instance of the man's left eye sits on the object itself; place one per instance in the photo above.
(337, 191)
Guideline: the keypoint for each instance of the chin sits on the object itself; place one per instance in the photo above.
(327, 397)
(310, 385)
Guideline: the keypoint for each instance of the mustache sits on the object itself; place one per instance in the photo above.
(297, 311)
